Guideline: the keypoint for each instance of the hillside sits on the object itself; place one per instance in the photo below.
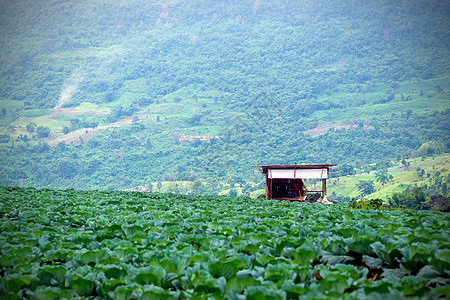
(140, 94)
(432, 174)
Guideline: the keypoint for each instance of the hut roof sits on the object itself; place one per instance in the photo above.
(267, 167)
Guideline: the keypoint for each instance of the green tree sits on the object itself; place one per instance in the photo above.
(4, 138)
(365, 187)
(66, 129)
(437, 202)
(412, 200)
(232, 192)
(405, 163)
(383, 177)
(345, 169)
(31, 127)
(197, 187)
(43, 131)
(420, 172)
(67, 167)
(419, 197)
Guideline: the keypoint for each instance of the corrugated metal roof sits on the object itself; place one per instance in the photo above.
(296, 166)
(264, 169)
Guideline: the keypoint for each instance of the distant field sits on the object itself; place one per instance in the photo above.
(422, 96)
(425, 96)
(404, 177)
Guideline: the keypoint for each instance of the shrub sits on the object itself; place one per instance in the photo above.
(43, 131)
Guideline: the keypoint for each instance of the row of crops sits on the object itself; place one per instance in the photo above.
(129, 245)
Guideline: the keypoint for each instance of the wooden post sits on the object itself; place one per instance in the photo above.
(267, 186)
(324, 188)
(270, 188)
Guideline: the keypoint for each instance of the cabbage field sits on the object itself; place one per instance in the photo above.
(131, 245)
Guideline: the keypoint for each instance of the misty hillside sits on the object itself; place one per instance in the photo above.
(128, 94)
(100, 51)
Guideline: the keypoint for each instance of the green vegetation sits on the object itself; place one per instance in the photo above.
(184, 97)
(190, 93)
(126, 245)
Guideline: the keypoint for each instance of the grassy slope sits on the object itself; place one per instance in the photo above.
(410, 177)
(424, 93)
(403, 177)
(172, 112)
(425, 98)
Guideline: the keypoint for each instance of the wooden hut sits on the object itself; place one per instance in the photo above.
(285, 182)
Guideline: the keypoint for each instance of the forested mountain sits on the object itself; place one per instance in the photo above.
(125, 94)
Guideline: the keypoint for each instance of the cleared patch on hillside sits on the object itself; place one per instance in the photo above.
(321, 129)
(55, 119)
(180, 136)
(81, 136)
(71, 111)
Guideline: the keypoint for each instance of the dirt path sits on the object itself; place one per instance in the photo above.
(70, 111)
(82, 136)
(321, 129)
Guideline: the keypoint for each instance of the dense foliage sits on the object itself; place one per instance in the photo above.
(289, 48)
(259, 74)
(418, 199)
(125, 245)
(128, 158)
